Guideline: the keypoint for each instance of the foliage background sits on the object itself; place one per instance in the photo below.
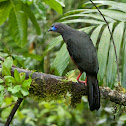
(24, 37)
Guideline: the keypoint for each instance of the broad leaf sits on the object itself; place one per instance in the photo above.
(52, 44)
(103, 49)
(95, 34)
(24, 91)
(1, 81)
(5, 8)
(18, 25)
(30, 14)
(124, 63)
(114, 5)
(17, 76)
(41, 9)
(80, 15)
(84, 21)
(61, 61)
(55, 5)
(112, 67)
(1, 88)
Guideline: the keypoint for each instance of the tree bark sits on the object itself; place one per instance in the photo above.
(46, 86)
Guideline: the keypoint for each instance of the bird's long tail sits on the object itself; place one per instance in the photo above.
(93, 92)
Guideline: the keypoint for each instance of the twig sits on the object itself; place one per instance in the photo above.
(13, 111)
(1, 58)
(7, 106)
(112, 40)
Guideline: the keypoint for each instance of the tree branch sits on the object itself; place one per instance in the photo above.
(46, 86)
(16, 106)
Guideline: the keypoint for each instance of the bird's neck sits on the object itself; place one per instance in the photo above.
(67, 34)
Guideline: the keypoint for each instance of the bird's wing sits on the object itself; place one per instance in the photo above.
(83, 52)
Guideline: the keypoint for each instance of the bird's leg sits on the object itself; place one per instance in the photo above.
(80, 80)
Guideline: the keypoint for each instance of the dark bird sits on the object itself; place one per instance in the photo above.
(83, 54)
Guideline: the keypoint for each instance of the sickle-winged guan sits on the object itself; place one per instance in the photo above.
(83, 54)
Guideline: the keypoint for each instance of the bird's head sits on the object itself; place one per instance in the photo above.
(57, 27)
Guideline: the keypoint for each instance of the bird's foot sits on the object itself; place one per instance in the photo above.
(79, 81)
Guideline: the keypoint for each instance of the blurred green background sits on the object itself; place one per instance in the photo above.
(24, 37)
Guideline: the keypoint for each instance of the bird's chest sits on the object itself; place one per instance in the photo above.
(74, 51)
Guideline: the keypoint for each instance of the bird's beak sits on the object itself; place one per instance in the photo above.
(50, 29)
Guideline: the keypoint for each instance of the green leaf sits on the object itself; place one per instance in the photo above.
(22, 76)
(61, 61)
(124, 63)
(8, 62)
(55, 5)
(18, 57)
(18, 25)
(15, 89)
(5, 71)
(30, 14)
(2, 0)
(41, 9)
(115, 14)
(1, 81)
(18, 94)
(84, 20)
(24, 91)
(115, 5)
(103, 49)
(37, 57)
(17, 76)
(9, 79)
(1, 88)
(97, 17)
(52, 44)
(112, 66)
(26, 83)
(1, 98)
(95, 34)
(5, 8)
(27, 1)
(86, 29)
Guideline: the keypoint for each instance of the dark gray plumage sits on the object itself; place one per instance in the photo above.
(83, 53)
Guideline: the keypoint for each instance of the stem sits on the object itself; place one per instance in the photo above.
(13, 111)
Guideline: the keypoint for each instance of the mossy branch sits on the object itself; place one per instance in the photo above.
(46, 86)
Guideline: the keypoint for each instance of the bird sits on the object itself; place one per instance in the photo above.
(84, 55)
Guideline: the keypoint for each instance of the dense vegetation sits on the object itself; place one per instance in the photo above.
(25, 42)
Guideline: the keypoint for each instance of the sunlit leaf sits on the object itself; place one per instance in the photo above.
(26, 83)
(24, 91)
(61, 61)
(9, 79)
(1, 88)
(84, 20)
(95, 34)
(41, 9)
(117, 15)
(111, 66)
(113, 4)
(103, 49)
(55, 5)
(1, 81)
(97, 17)
(124, 63)
(17, 76)
(52, 44)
